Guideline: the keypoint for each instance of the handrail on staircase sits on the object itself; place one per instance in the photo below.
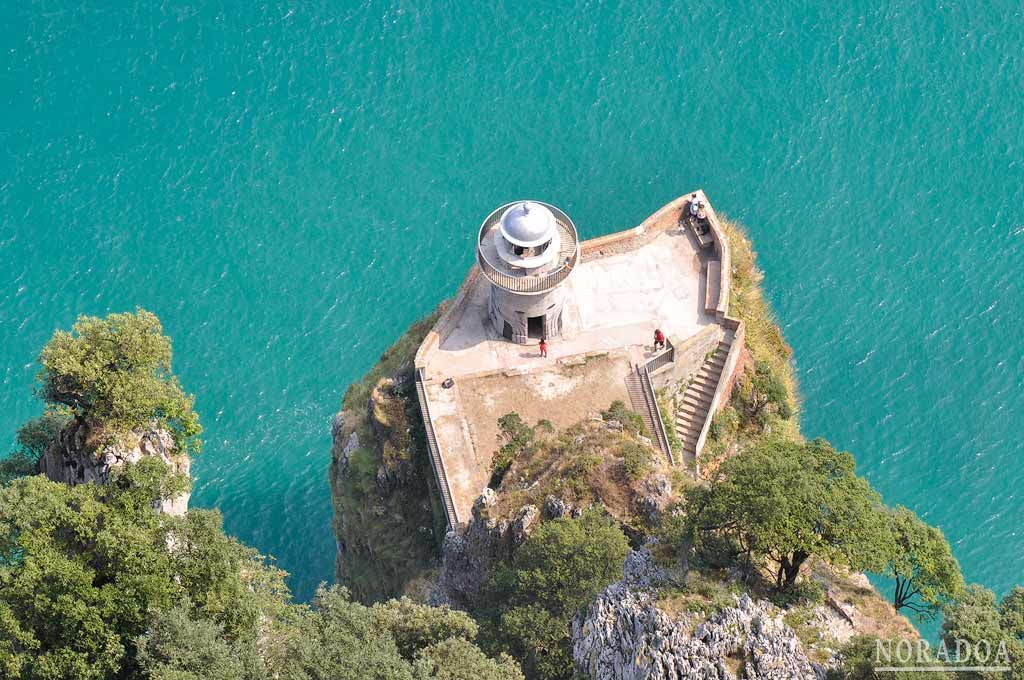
(663, 358)
(654, 412)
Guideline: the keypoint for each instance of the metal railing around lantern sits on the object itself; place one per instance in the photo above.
(531, 284)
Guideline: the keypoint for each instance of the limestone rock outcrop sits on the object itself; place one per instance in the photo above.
(658, 496)
(624, 636)
(73, 459)
(469, 557)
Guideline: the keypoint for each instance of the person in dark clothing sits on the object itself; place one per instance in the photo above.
(659, 339)
(543, 347)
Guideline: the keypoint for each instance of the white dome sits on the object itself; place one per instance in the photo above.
(528, 224)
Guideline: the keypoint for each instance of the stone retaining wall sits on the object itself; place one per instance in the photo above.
(690, 355)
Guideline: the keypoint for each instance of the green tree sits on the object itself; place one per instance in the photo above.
(17, 465)
(786, 501)
(973, 616)
(636, 459)
(115, 374)
(517, 439)
(415, 626)
(977, 618)
(178, 647)
(83, 567)
(338, 638)
(922, 565)
(763, 395)
(35, 435)
(458, 659)
(862, 655)
(1011, 613)
(528, 604)
(33, 438)
(539, 638)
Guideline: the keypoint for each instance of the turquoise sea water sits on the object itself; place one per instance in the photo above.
(290, 186)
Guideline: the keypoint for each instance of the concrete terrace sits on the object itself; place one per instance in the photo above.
(626, 285)
(615, 302)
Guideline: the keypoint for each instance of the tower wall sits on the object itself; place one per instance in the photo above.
(516, 310)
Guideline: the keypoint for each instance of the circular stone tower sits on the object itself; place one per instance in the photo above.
(527, 250)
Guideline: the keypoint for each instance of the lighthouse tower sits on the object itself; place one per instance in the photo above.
(527, 250)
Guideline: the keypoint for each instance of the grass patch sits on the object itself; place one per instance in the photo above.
(702, 595)
(596, 461)
(667, 411)
(747, 302)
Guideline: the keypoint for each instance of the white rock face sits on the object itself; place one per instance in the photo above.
(626, 637)
(68, 459)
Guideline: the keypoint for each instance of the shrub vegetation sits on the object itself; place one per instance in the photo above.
(528, 603)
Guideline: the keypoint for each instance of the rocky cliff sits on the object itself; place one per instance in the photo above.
(80, 455)
(469, 557)
(625, 636)
(386, 525)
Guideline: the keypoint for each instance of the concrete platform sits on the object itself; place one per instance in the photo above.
(615, 303)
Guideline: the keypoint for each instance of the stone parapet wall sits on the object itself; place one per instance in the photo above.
(722, 250)
(431, 343)
(689, 355)
(625, 241)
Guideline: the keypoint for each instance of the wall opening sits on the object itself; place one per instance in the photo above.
(506, 331)
(535, 327)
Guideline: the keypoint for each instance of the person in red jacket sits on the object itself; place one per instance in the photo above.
(543, 347)
(659, 339)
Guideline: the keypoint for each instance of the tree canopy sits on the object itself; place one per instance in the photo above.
(762, 395)
(399, 640)
(115, 373)
(978, 618)
(922, 565)
(94, 584)
(786, 501)
(529, 603)
(33, 438)
(81, 568)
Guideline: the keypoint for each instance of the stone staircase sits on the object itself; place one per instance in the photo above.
(635, 389)
(692, 407)
(645, 402)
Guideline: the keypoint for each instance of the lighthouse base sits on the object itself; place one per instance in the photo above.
(524, 319)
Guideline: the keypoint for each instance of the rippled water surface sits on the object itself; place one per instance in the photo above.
(289, 187)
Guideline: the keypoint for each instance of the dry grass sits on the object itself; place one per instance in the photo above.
(879, 618)
(581, 464)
